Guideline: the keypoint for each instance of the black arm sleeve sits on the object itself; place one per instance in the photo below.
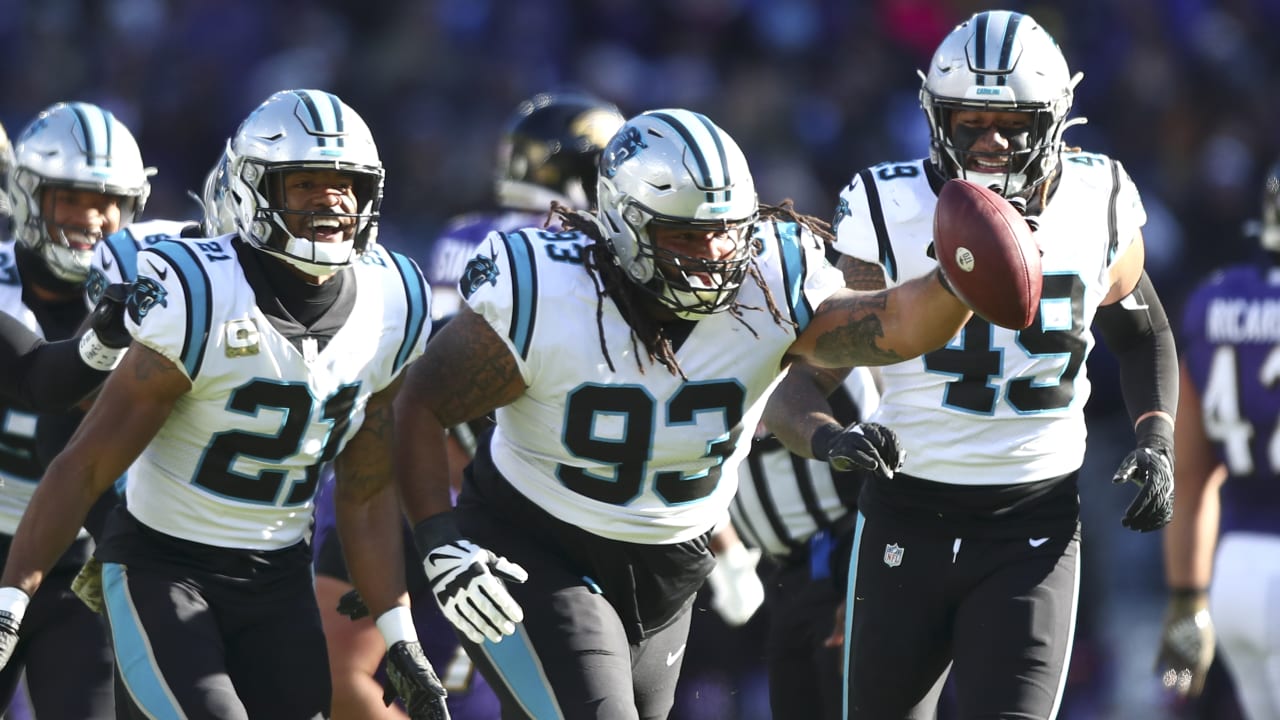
(38, 376)
(1138, 333)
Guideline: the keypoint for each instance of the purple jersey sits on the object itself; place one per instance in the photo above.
(1231, 346)
(469, 695)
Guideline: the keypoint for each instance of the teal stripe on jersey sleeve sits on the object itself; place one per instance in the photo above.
(793, 270)
(522, 672)
(416, 297)
(195, 284)
(524, 291)
(124, 249)
(134, 660)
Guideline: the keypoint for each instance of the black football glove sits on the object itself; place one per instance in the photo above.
(1186, 643)
(1150, 467)
(860, 446)
(415, 682)
(107, 318)
(352, 605)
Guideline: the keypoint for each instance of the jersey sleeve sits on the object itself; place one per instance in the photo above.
(115, 260)
(416, 327)
(1129, 215)
(855, 235)
(500, 284)
(169, 305)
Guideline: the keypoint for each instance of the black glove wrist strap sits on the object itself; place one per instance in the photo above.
(1155, 431)
(435, 531)
(820, 442)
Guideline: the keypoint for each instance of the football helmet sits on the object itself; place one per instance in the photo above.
(1270, 234)
(6, 167)
(677, 168)
(300, 130)
(217, 219)
(549, 151)
(77, 146)
(1000, 61)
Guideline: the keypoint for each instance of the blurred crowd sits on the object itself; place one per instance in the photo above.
(1184, 92)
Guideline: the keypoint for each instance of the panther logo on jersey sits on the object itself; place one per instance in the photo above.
(145, 294)
(480, 269)
(624, 146)
(95, 285)
(842, 212)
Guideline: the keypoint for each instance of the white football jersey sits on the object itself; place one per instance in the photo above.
(237, 462)
(115, 259)
(996, 406)
(637, 456)
(19, 465)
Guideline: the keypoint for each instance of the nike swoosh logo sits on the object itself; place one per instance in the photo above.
(106, 262)
(162, 274)
(1129, 302)
(1037, 542)
(673, 657)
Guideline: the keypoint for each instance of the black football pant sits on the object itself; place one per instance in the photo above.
(1000, 611)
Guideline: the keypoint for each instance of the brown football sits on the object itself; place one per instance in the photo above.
(987, 253)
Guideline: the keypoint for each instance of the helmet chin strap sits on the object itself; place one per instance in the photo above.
(325, 258)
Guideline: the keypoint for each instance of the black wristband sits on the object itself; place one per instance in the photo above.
(1155, 431)
(1184, 593)
(820, 442)
(435, 531)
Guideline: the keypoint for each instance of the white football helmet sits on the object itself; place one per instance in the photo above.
(217, 219)
(676, 167)
(295, 130)
(1000, 61)
(78, 146)
(6, 167)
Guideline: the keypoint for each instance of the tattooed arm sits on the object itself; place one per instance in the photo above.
(135, 403)
(367, 509)
(466, 372)
(860, 328)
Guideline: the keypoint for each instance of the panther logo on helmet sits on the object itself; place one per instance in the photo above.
(624, 146)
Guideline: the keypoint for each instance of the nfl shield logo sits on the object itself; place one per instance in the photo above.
(892, 555)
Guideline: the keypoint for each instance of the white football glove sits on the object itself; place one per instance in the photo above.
(736, 588)
(467, 581)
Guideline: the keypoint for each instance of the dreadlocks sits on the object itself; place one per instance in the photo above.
(646, 330)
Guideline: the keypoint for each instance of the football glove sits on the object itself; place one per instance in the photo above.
(1150, 467)
(107, 318)
(1186, 643)
(352, 605)
(415, 682)
(860, 446)
(13, 605)
(88, 584)
(467, 580)
(736, 590)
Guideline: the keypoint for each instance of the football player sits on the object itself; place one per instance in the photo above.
(77, 177)
(968, 557)
(1227, 497)
(623, 356)
(257, 356)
